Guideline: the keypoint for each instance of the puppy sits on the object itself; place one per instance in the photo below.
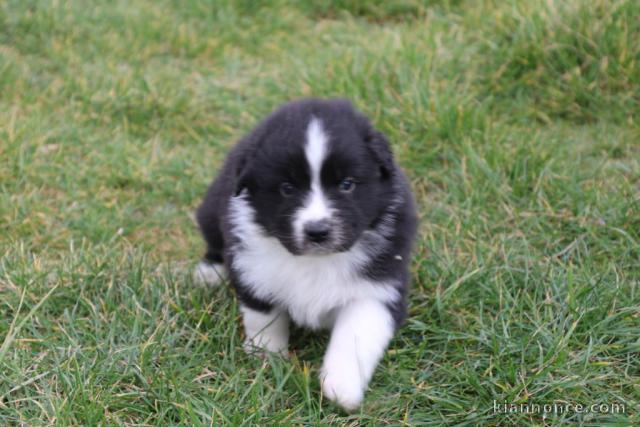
(313, 222)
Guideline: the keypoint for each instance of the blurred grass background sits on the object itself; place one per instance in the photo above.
(517, 122)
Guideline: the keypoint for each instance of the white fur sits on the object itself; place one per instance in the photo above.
(361, 333)
(266, 331)
(316, 206)
(310, 287)
(209, 274)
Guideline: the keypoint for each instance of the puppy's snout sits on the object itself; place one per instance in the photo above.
(317, 231)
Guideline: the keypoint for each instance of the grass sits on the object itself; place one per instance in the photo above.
(517, 122)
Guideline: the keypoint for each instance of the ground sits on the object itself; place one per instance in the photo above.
(516, 121)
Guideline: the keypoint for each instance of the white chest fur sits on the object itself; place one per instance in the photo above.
(309, 287)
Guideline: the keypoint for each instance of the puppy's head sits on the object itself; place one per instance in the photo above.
(317, 175)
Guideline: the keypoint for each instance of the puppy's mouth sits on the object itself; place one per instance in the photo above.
(321, 249)
(305, 247)
(333, 246)
(320, 238)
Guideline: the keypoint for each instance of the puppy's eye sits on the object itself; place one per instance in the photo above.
(287, 189)
(347, 185)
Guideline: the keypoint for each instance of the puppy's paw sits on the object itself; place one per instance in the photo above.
(208, 274)
(261, 351)
(342, 388)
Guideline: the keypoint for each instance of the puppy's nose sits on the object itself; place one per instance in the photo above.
(317, 231)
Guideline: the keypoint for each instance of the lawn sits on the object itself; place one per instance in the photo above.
(518, 123)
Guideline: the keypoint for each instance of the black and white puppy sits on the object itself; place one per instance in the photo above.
(313, 222)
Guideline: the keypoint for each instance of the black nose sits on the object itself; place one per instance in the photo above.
(317, 231)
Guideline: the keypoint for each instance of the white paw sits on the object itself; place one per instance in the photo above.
(343, 388)
(255, 349)
(209, 274)
(265, 332)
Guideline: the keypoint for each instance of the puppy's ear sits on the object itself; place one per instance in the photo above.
(243, 174)
(379, 147)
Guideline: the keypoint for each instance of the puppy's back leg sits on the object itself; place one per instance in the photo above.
(211, 271)
(209, 274)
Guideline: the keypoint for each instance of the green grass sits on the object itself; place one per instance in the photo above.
(517, 122)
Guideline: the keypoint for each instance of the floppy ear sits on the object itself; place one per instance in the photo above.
(243, 176)
(379, 146)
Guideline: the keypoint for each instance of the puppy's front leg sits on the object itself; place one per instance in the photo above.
(359, 337)
(265, 331)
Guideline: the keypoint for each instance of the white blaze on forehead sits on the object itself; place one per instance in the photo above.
(315, 148)
(316, 206)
